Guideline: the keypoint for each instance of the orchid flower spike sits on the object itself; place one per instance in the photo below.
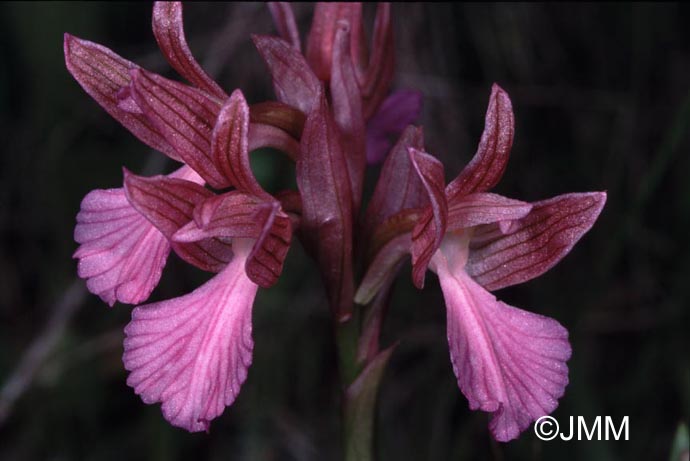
(507, 361)
(334, 113)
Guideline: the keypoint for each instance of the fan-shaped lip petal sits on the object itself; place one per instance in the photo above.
(507, 361)
(192, 353)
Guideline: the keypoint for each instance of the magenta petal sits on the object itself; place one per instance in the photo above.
(168, 28)
(428, 232)
(399, 186)
(535, 243)
(192, 353)
(230, 146)
(327, 217)
(120, 254)
(284, 20)
(168, 203)
(484, 208)
(347, 110)
(293, 80)
(489, 163)
(102, 74)
(400, 109)
(509, 362)
(185, 116)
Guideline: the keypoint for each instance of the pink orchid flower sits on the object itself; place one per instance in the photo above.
(509, 362)
(190, 353)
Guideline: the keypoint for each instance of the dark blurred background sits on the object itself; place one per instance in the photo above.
(601, 95)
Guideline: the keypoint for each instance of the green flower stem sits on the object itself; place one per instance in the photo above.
(360, 377)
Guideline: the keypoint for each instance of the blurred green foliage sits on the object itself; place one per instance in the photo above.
(602, 101)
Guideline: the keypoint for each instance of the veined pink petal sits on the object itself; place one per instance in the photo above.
(489, 163)
(236, 215)
(192, 353)
(121, 255)
(102, 74)
(428, 232)
(399, 186)
(185, 116)
(483, 208)
(509, 362)
(347, 110)
(293, 80)
(168, 27)
(320, 41)
(327, 217)
(230, 146)
(284, 20)
(265, 263)
(376, 82)
(536, 242)
(168, 203)
(400, 109)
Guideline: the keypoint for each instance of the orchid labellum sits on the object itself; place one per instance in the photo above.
(334, 114)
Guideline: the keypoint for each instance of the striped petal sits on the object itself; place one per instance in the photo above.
(429, 230)
(488, 164)
(484, 208)
(168, 27)
(238, 215)
(103, 74)
(121, 254)
(509, 362)
(192, 353)
(185, 116)
(168, 202)
(515, 251)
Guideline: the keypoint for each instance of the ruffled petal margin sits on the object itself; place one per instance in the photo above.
(192, 353)
(121, 254)
(509, 362)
